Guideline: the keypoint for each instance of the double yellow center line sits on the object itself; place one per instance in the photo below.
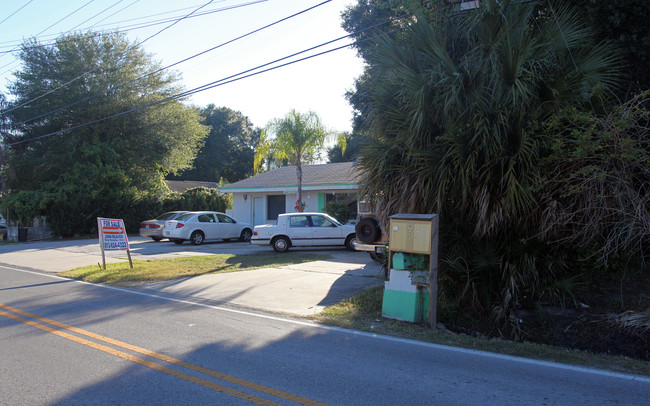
(61, 328)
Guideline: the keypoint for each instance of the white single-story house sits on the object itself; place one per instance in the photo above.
(259, 199)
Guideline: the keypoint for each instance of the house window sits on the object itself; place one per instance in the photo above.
(275, 205)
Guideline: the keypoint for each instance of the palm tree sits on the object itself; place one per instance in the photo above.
(298, 138)
(455, 105)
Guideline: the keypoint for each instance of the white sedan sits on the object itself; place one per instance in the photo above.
(199, 226)
(304, 230)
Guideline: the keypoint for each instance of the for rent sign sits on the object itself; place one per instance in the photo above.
(112, 236)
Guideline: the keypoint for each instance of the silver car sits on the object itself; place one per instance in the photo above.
(154, 228)
(199, 226)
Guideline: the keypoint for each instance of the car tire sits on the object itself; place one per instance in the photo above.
(178, 241)
(246, 235)
(349, 242)
(281, 244)
(157, 239)
(368, 230)
(197, 238)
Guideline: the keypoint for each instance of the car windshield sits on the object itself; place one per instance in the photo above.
(333, 220)
(165, 216)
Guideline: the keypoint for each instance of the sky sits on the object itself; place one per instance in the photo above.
(317, 84)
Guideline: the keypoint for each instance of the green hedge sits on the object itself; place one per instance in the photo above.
(73, 209)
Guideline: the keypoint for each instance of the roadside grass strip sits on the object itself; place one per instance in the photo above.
(120, 273)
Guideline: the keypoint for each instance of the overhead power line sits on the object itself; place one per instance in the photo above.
(185, 94)
(92, 70)
(169, 66)
(50, 39)
(233, 78)
(70, 14)
(12, 14)
(101, 12)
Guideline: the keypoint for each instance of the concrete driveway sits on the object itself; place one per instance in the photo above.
(301, 289)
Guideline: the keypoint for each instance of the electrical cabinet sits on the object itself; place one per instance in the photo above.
(412, 261)
(410, 235)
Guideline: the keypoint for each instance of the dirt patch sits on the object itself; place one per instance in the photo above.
(590, 323)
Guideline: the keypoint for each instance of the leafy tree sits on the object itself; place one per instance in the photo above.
(86, 78)
(298, 138)
(453, 106)
(228, 150)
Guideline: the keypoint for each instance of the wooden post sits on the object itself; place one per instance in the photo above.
(433, 273)
(130, 261)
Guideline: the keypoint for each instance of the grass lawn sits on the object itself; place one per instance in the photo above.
(120, 274)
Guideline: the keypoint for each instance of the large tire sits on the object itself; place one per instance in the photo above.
(368, 230)
(246, 235)
(197, 238)
(281, 244)
(349, 242)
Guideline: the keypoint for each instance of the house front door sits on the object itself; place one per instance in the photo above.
(258, 210)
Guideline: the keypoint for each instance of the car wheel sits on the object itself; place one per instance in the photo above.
(156, 239)
(281, 244)
(246, 235)
(197, 238)
(368, 230)
(349, 242)
(178, 241)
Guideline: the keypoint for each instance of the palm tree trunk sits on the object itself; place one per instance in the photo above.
(299, 205)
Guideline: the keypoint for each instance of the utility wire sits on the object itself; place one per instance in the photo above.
(118, 11)
(181, 19)
(12, 14)
(146, 24)
(92, 70)
(2, 67)
(134, 26)
(177, 96)
(173, 64)
(126, 29)
(221, 82)
(101, 12)
(18, 48)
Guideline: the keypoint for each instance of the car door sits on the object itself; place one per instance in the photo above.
(229, 229)
(299, 230)
(326, 232)
(208, 223)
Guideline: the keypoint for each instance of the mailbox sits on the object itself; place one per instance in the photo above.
(410, 235)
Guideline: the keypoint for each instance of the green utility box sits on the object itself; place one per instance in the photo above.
(404, 301)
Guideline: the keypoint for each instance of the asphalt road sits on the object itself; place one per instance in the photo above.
(69, 343)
